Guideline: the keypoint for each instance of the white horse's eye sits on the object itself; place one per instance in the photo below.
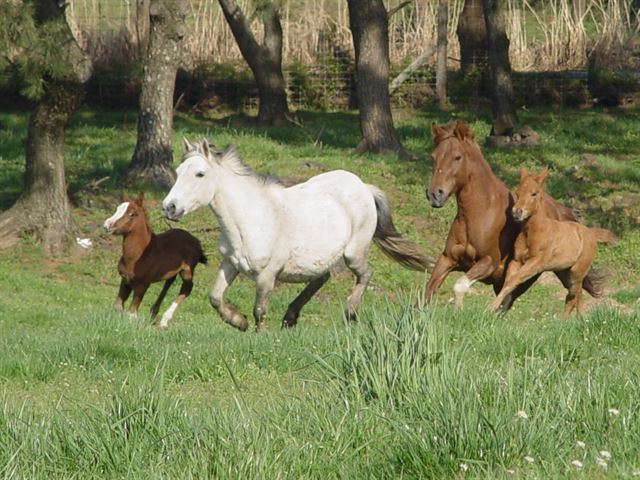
(200, 174)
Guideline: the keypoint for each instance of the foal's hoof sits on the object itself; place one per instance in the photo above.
(261, 327)
(351, 315)
(238, 321)
(289, 320)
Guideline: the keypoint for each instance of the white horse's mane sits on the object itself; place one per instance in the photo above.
(229, 158)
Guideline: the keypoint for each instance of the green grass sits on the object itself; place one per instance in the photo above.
(403, 393)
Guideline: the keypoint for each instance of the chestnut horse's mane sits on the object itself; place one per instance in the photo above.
(455, 128)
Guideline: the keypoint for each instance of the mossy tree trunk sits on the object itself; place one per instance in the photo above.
(152, 161)
(368, 20)
(502, 97)
(43, 209)
(265, 60)
(472, 35)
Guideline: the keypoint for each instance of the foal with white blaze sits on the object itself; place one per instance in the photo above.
(296, 234)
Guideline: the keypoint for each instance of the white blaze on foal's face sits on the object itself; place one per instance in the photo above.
(113, 219)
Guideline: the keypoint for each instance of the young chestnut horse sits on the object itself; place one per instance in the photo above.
(482, 235)
(148, 258)
(296, 234)
(566, 248)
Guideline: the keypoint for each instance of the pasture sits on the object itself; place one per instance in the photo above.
(438, 392)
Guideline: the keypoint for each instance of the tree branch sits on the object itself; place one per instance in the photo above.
(422, 59)
(398, 7)
(240, 28)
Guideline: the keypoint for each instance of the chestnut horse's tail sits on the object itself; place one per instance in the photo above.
(603, 235)
(593, 283)
(394, 245)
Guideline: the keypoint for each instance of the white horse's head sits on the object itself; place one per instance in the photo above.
(194, 185)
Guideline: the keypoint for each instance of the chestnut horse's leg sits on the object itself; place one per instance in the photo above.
(156, 306)
(123, 293)
(293, 311)
(264, 286)
(482, 269)
(443, 267)
(226, 275)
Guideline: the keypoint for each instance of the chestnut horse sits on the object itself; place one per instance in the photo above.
(482, 235)
(566, 248)
(148, 258)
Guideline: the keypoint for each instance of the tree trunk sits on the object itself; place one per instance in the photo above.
(265, 60)
(43, 209)
(472, 35)
(502, 101)
(369, 27)
(153, 156)
(441, 58)
(142, 27)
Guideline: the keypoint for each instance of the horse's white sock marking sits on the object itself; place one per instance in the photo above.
(461, 287)
(120, 211)
(168, 315)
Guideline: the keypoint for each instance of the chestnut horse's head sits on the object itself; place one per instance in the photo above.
(454, 145)
(530, 194)
(127, 215)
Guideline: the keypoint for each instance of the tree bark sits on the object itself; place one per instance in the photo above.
(502, 98)
(441, 58)
(265, 60)
(368, 20)
(472, 35)
(153, 156)
(143, 27)
(43, 209)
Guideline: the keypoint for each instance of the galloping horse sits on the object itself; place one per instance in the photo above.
(482, 235)
(148, 258)
(295, 234)
(566, 248)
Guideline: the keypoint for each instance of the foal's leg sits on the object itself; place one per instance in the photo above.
(293, 311)
(226, 275)
(185, 291)
(123, 293)
(264, 286)
(360, 268)
(138, 292)
(528, 270)
(163, 292)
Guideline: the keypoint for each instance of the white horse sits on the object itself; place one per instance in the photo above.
(295, 234)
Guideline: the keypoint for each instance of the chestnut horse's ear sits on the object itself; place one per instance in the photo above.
(523, 173)
(436, 130)
(462, 131)
(186, 145)
(125, 197)
(140, 198)
(543, 175)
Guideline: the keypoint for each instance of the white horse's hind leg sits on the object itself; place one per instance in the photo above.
(293, 311)
(264, 286)
(360, 268)
(226, 275)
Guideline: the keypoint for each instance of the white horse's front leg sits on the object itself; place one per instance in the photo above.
(264, 286)
(226, 275)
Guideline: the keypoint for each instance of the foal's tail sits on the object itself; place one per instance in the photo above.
(593, 283)
(394, 245)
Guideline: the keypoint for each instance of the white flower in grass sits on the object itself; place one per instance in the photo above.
(605, 454)
(601, 462)
(464, 467)
(521, 414)
(511, 471)
(528, 459)
(636, 473)
(613, 411)
(580, 444)
(576, 463)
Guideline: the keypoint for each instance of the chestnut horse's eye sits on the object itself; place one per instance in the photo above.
(457, 157)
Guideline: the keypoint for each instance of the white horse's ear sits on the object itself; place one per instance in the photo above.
(206, 148)
(187, 146)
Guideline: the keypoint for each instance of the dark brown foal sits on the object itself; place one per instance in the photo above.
(148, 258)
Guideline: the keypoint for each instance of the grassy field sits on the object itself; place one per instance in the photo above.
(403, 393)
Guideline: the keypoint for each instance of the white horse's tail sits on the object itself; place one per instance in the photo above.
(394, 245)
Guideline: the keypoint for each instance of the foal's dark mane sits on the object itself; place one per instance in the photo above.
(230, 159)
